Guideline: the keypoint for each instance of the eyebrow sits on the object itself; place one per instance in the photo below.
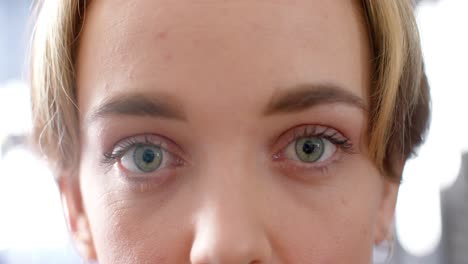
(305, 96)
(295, 99)
(158, 106)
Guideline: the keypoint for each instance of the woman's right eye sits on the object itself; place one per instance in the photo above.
(143, 155)
(143, 158)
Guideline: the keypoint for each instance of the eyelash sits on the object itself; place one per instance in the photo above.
(328, 133)
(125, 145)
(342, 143)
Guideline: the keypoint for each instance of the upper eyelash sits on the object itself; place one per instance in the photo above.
(112, 156)
(308, 131)
(328, 133)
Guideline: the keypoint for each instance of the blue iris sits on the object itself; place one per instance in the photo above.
(147, 158)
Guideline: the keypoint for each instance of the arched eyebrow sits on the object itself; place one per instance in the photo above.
(154, 105)
(305, 96)
(295, 99)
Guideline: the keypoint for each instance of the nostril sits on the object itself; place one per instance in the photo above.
(226, 251)
(221, 240)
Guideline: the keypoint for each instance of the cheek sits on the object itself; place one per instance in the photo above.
(134, 228)
(138, 230)
(333, 222)
(338, 232)
(324, 223)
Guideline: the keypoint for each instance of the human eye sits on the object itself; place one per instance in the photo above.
(312, 146)
(141, 156)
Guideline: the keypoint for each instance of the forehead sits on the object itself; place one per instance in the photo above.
(196, 48)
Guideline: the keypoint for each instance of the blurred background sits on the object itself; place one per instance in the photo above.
(432, 211)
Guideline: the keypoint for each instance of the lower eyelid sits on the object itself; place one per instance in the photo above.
(291, 166)
(146, 181)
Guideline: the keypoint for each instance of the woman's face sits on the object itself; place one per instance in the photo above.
(226, 132)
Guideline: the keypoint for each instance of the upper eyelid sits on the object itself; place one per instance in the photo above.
(296, 132)
(151, 139)
(126, 144)
(123, 146)
(327, 133)
(279, 143)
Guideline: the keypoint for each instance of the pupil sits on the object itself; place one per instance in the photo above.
(309, 147)
(148, 156)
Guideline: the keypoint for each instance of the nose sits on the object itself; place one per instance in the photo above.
(228, 227)
(228, 239)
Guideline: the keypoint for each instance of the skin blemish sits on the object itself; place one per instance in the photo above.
(343, 201)
(162, 35)
(167, 57)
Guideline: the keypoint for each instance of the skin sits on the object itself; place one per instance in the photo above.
(220, 66)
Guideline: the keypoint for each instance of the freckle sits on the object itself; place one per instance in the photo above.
(162, 35)
(167, 57)
(343, 201)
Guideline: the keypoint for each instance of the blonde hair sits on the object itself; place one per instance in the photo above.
(399, 99)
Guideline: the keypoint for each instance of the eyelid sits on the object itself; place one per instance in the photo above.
(166, 169)
(301, 170)
(289, 152)
(124, 145)
(304, 130)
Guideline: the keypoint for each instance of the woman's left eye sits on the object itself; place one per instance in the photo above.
(310, 149)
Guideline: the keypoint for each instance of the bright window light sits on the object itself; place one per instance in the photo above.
(31, 214)
(445, 48)
(32, 217)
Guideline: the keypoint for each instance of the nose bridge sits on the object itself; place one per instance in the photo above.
(231, 171)
(228, 227)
